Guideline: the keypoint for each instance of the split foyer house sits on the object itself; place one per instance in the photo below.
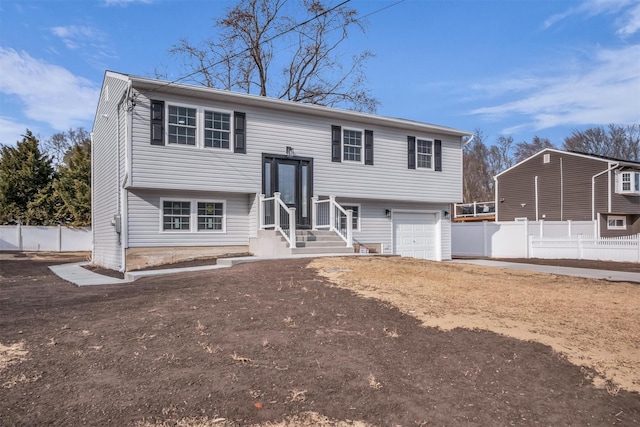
(558, 185)
(182, 172)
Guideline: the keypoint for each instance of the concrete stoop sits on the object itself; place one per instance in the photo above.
(308, 242)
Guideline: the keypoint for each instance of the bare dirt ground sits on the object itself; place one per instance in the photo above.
(302, 342)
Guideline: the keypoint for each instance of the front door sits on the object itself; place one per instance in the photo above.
(293, 178)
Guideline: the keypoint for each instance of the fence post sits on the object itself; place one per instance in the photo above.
(484, 236)
(527, 243)
(638, 245)
(529, 240)
(541, 228)
(59, 237)
(569, 227)
(579, 246)
(19, 236)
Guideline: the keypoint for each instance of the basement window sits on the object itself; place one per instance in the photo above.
(616, 222)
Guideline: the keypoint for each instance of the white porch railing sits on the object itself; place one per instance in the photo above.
(328, 214)
(475, 209)
(274, 213)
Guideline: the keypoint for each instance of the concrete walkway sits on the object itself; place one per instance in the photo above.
(613, 276)
(75, 273)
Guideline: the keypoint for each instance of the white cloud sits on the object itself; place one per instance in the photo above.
(75, 36)
(11, 130)
(628, 11)
(49, 93)
(607, 91)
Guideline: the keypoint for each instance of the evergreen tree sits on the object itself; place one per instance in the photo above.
(73, 185)
(26, 175)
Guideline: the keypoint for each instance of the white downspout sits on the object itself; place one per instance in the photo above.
(536, 189)
(593, 189)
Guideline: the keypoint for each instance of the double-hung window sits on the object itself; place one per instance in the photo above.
(424, 153)
(193, 216)
(352, 145)
(217, 129)
(176, 215)
(210, 216)
(629, 182)
(182, 125)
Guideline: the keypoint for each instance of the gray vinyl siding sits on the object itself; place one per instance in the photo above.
(145, 220)
(106, 174)
(564, 188)
(376, 227)
(271, 131)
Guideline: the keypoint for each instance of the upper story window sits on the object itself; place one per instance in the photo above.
(217, 129)
(174, 124)
(352, 145)
(182, 125)
(424, 153)
(628, 182)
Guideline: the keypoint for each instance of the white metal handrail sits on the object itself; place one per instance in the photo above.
(328, 214)
(274, 213)
(475, 209)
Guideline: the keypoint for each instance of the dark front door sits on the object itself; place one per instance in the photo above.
(293, 178)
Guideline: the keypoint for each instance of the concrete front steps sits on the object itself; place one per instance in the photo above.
(319, 242)
(270, 243)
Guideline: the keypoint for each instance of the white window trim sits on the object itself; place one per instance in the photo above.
(193, 216)
(200, 109)
(361, 161)
(433, 157)
(346, 206)
(615, 218)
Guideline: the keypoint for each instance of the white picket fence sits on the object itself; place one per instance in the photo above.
(625, 248)
(49, 239)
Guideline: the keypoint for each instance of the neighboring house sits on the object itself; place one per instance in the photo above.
(179, 172)
(558, 185)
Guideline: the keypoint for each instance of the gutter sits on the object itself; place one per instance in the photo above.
(611, 167)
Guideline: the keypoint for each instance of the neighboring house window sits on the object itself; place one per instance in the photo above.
(193, 215)
(629, 182)
(616, 222)
(176, 215)
(182, 125)
(352, 145)
(217, 129)
(355, 216)
(210, 216)
(424, 153)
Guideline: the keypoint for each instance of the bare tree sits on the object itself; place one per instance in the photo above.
(262, 49)
(620, 142)
(477, 180)
(525, 149)
(500, 157)
(59, 143)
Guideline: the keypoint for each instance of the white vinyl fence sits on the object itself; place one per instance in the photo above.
(625, 248)
(510, 239)
(50, 239)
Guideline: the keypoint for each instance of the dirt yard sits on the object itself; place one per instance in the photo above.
(327, 342)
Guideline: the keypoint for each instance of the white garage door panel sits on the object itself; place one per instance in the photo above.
(415, 235)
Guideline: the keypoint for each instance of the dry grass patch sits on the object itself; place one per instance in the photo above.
(12, 354)
(594, 322)
(305, 419)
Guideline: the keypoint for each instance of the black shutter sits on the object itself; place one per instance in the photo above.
(239, 132)
(157, 122)
(368, 147)
(437, 151)
(411, 152)
(336, 143)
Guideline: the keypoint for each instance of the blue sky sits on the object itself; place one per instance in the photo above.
(518, 68)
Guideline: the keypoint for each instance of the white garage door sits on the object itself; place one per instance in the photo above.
(415, 235)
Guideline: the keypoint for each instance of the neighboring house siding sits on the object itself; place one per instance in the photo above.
(564, 188)
(271, 131)
(145, 220)
(105, 177)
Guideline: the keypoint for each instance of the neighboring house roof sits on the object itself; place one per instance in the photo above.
(604, 159)
(160, 87)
